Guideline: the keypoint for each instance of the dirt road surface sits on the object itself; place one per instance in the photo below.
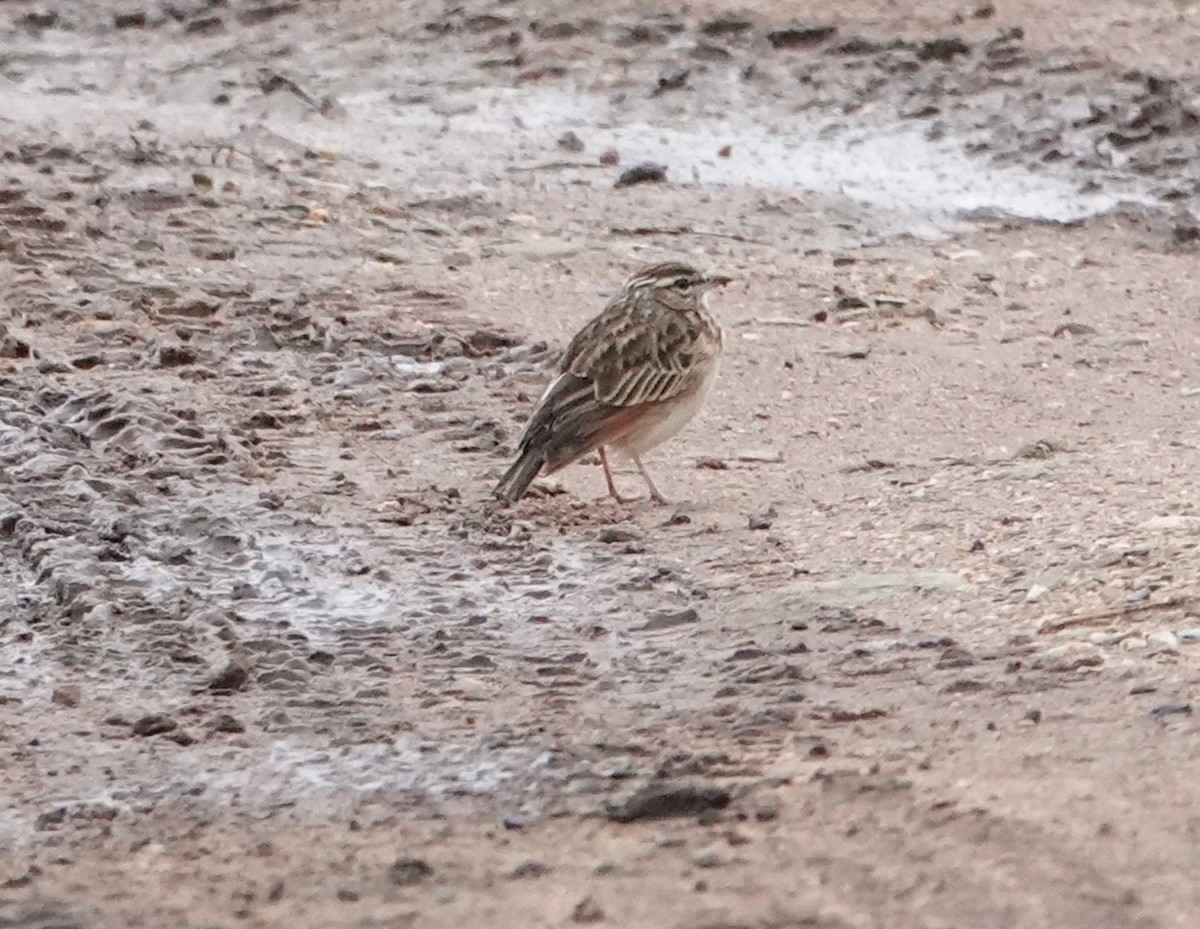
(915, 644)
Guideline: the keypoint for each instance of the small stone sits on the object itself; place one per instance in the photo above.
(672, 77)
(1165, 641)
(853, 352)
(760, 521)
(406, 872)
(523, 220)
(224, 722)
(1069, 656)
(610, 158)
(154, 724)
(1036, 592)
(528, 869)
(174, 356)
(645, 173)
(67, 695)
(230, 678)
(769, 812)
(570, 142)
(587, 911)
(283, 677)
(665, 800)
(668, 619)
(134, 20)
(612, 534)
(50, 819)
(800, 36)
(760, 456)
(1189, 636)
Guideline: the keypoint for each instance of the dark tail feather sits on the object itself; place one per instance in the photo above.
(517, 479)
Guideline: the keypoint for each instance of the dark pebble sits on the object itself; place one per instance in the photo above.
(405, 872)
(1171, 709)
(223, 722)
(611, 534)
(802, 37)
(527, 869)
(645, 173)
(230, 678)
(662, 801)
(129, 20)
(154, 724)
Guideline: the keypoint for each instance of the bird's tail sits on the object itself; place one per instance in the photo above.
(517, 479)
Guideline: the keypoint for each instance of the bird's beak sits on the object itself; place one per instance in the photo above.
(717, 280)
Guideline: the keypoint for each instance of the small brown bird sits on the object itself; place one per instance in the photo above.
(630, 379)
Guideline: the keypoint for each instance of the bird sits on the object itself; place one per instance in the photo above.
(629, 380)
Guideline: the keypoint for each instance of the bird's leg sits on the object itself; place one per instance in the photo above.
(654, 494)
(608, 479)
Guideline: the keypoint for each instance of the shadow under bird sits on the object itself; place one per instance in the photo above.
(631, 378)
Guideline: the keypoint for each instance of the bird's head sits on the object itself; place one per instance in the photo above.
(678, 285)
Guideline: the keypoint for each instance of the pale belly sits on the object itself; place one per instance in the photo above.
(668, 419)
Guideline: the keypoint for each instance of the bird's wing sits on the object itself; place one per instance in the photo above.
(635, 356)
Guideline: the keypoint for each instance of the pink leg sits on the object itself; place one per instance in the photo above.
(654, 494)
(608, 478)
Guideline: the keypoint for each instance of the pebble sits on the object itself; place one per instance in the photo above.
(665, 800)
(224, 722)
(1036, 592)
(570, 142)
(405, 872)
(1068, 657)
(764, 456)
(231, 677)
(645, 173)
(67, 695)
(154, 724)
(1189, 636)
(611, 534)
(281, 677)
(1164, 640)
(587, 911)
(527, 869)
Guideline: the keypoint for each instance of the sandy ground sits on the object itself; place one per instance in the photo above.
(916, 643)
